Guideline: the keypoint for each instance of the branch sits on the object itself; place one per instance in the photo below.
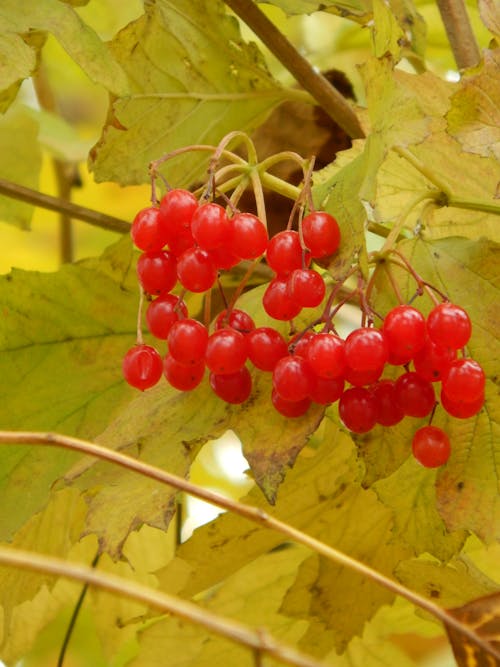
(254, 514)
(332, 102)
(16, 191)
(256, 640)
(458, 28)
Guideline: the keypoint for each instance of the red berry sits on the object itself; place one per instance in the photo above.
(293, 378)
(321, 233)
(432, 360)
(449, 326)
(298, 342)
(163, 312)
(290, 409)
(404, 332)
(157, 271)
(236, 319)
(358, 410)
(223, 258)
(326, 355)
(307, 287)
(277, 303)
(326, 390)
(362, 378)
(195, 270)
(247, 236)
(232, 387)
(266, 347)
(365, 349)
(462, 409)
(389, 412)
(142, 367)
(431, 446)
(284, 253)
(187, 341)
(146, 231)
(414, 395)
(176, 212)
(181, 377)
(210, 226)
(227, 351)
(463, 380)
(182, 242)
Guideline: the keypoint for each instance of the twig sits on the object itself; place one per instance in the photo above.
(458, 28)
(332, 102)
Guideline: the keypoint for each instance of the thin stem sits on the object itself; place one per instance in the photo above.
(332, 102)
(140, 339)
(394, 283)
(401, 219)
(20, 192)
(473, 204)
(423, 169)
(279, 185)
(243, 283)
(256, 640)
(283, 156)
(459, 30)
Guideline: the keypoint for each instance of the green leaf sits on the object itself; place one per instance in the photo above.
(17, 62)
(214, 83)
(388, 37)
(356, 10)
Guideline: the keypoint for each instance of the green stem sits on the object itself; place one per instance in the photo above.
(423, 169)
(474, 204)
(399, 224)
(280, 186)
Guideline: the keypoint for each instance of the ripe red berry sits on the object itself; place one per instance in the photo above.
(290, 409)
(389, 412)
(404, 332)
(142, 367)
(210, 226)
(236, 319)
(432, 360)
(298, 342)
(157, 271)
(321, 233)
(176, 212)
(358, 410)
(307, 287)
(284, 253)
(181, 377)
(247, 236)
(463, 380)
(182, 242)
(163, 312)
(449, 325)
(232, 387)
(326, 390)
(431, 446)
(187, 341)
(326, 355)
(195, 270)
(146, 231)
(223, 258)
(266, 347)
(362, 378)
(414, 395)
(293, 378)
(226, 352)
(277, 303)
(462, 409)
(365, 349)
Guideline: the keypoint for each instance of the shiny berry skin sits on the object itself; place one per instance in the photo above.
(293, 378)
(290, 409)
(326, 390)
(362, 378)
(266, 347)
(237, 319)
(432, 360)
(284, 253)
(195, 270)
(321, 233)
(181, 377)
(462, 409)
(449, 325)
(463, 380)
(176, 212)
(210, 226)
(298, 342)
(227, 351)
(414, 395)
(163, 312)
(157, 271)
(326, 355)
(277, 303)
(431, 446)
(182, 242)
(404, 333)
(358, 410)
(142, 367)
(365, 349)
(307, 287)
(389, 412)
(248, 237)
(223, 258)
(187, 341)
(233, 387)
(146, 231)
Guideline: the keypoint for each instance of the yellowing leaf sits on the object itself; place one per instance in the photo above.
(483, 616)
(17, 61)
(388, 37)
(490, 15)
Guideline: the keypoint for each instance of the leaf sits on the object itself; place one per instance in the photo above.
(388, 37)
(474, 117)
(17, 62)
(490, 15)
(215, 83)
(60, 138)
(483, 615)
(356, 10)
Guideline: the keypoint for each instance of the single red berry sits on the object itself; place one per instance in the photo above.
(389, 412)
(210, 226)
(414, 395)
(163, 312)
(284, 253)
(195, 270)
(449, 325)
(157, 271)
(358, 410)
(266, 347)
(290, 409)
(431, 446)
(293, 378)
(326, 355)
(232, 387)
(247, 236)
(362, 378)
(462, 409)
(182, 242)
(187, 341)
(464, 380)
(181, 377)
(326, 390)
(298, 342)
(227, 351)
(176, 212)
(365, 349)
(142, 367)
(277, 303)
(432, 360)
(404, 332)
(321, 233)
(146, 231)
(235, 319)
(307, 287)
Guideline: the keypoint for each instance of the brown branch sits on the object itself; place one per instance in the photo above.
(22, 193)
(458, 28)
(332, 102)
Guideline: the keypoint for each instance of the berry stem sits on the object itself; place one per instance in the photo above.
(270, 161)
(392, 280)
(140, 338)
(258, 193)
(243, 283)
(207, 306)
(401, 219)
